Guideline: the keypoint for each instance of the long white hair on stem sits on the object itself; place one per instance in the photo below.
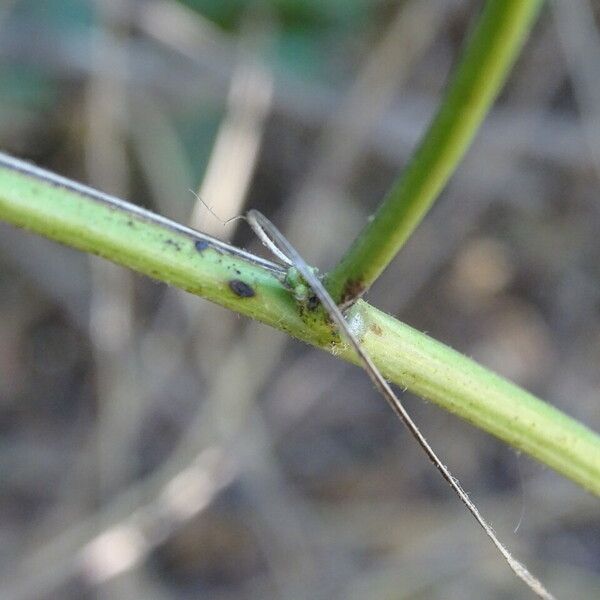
(281, 247)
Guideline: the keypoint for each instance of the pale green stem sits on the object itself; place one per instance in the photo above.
(85, 219)
(486, 60)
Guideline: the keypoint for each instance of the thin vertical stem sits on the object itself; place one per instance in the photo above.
(486, 60)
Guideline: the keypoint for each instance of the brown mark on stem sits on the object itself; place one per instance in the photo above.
(376, 329)
(352, 291)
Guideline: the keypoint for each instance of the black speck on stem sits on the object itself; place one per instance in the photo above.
(241, 289)
(201, 245)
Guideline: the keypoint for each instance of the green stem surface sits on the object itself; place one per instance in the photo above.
(486, 60)
(79, 217)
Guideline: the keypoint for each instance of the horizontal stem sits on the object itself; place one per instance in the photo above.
(83, 218)
(481, 72)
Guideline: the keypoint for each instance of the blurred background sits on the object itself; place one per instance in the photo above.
(156, 446)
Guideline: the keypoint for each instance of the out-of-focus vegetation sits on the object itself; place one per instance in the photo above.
(155, 446)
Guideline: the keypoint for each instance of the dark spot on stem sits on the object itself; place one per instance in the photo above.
(241, 289)
(352, 291)
(201, 245)
(173, 243)
(312, 302)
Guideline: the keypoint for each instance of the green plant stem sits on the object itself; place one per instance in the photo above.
(486, 60)
(87, 220)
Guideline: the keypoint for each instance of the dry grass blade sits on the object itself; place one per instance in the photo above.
(275, 240)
